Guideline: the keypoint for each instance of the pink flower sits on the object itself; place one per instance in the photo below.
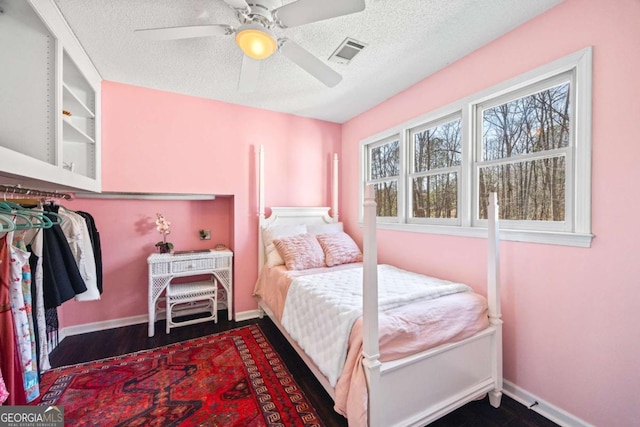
(162, 225)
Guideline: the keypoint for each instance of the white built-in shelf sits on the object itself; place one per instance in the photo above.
(72, 133)
(50, 72)
(73, 104)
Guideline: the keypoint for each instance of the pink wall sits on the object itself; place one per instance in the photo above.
(155, 141)
(128, 235)
(571, 331)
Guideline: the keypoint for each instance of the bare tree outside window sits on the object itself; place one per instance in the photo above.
(436, 160)
(522, 158)
(386, 195)
(384, 171)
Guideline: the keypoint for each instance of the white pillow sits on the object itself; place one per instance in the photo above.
(276, 232)
(335, 227)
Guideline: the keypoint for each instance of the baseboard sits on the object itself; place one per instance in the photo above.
(247, 315)
(101, 326)
(546, 409)
(133, 320)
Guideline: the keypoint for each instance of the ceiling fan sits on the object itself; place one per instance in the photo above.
(255, 38)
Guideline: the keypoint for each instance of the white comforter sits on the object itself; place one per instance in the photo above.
(320, 309)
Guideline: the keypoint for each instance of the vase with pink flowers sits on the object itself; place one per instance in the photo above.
(162, 225)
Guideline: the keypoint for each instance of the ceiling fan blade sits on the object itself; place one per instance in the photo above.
(249, 74)
(306, 11)
(309, 63)
(238, 4)
(191, 31)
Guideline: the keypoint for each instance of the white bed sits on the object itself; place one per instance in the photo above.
(418, 388)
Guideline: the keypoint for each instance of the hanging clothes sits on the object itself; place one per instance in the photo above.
(61, 277)
(31, 377)
(76, 231)
(34, 280)
(37, 291)
(21, 321)
(9, 355)
(19, 258)
(95, 244)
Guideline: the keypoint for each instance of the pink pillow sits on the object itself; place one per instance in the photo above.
(278, 232)
(339, 248)
(300, 252)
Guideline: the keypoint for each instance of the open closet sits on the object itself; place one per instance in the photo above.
(49, 254)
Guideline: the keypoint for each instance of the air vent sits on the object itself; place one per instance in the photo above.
(347, 50)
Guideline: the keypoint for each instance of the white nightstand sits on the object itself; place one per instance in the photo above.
(165, 267)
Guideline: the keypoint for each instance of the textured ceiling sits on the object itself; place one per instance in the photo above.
(407, 41)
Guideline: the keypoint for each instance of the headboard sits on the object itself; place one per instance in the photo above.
(290, 216)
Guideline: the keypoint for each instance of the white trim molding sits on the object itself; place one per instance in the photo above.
(544, 408)
(248, 315)
(531, 236)
(68, 331)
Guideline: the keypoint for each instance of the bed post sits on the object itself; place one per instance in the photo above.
(261, 259)
(370, 345)
(493, 297)
(261, 183)
(261, 218)
(334, 189)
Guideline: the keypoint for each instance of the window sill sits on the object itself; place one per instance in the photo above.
(544, 237)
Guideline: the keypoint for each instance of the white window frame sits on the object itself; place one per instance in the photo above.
(411, 173)
(575, 231)
(399, 179)
(559, 226)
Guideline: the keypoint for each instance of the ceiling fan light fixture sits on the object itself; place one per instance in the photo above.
(256, 41)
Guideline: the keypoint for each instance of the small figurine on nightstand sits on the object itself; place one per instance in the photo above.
(162, 225)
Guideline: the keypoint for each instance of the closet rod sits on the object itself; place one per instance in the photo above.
(16, 189)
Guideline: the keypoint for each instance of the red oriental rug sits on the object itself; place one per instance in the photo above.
(234, 378)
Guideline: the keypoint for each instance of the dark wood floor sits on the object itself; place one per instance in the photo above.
(115, 342)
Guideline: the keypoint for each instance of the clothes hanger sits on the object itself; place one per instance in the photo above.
(17, 211)
(56, 215)
(39, 212)
(63, 207)
(8, 225)
(42, 220)
(58, 218)
(14, 214)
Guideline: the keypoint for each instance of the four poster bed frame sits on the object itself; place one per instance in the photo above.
(418, 389)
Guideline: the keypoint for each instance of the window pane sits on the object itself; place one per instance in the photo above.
(533, 190)
(386, 198)
(535, 123)
(385, 160)
(435, 196)
(437, 147)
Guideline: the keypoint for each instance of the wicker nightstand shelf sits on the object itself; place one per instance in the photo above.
(196, 296)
